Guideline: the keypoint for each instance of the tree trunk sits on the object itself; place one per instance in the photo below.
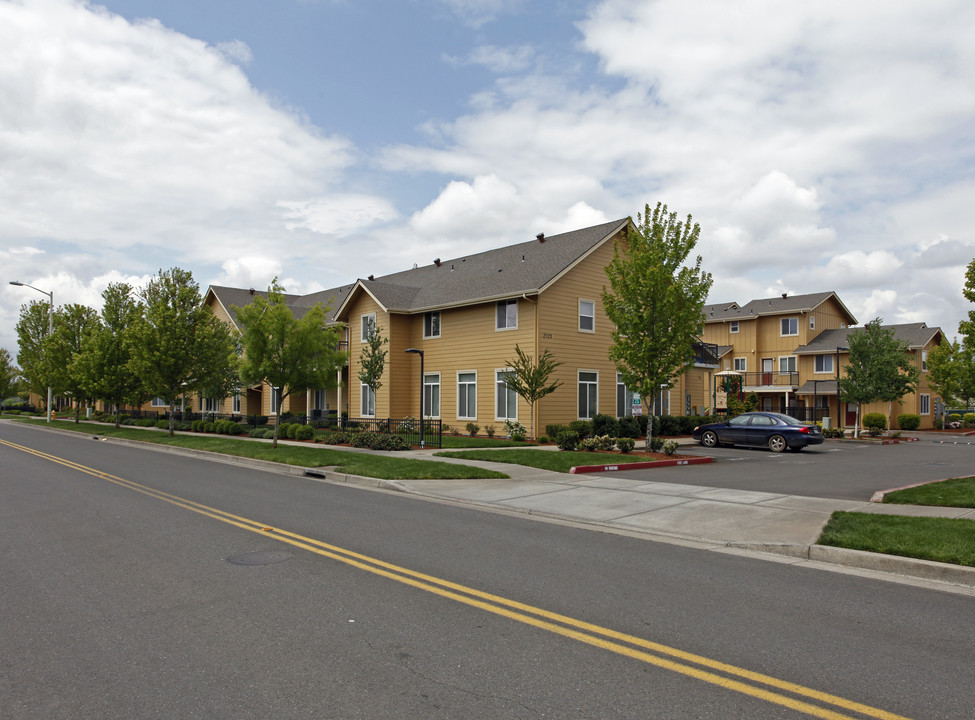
(650, 407)
(856, 430)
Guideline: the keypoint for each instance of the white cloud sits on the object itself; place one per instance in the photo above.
(502, 59)
(236, 51)
(339, 214)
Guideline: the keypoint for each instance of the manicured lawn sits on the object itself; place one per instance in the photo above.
(387, 467)
(957, 492)
(559, 461)
(464, 441)
(945, 540)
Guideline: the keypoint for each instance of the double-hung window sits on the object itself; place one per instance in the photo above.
(587, 316)
(367, 398)
(235, 404)
(624, 398)
(787, 364)
(431, 324)
(368, 325)
(741, 364)
(823, 364)
(588, 394)
(924, 360)
(467, 395)
(790, 326)
(506, 399)
(733, 326)
(431, 395)
(925, 404)
(211, 405)
(507, 315)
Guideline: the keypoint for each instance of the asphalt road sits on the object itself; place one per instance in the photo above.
(126, 593)
(843, 470)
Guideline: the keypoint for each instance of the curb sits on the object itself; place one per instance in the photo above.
(878, 562)
(578, 469)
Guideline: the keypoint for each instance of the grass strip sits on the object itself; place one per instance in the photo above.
(560, 461)
(956, 492)
(463, 441)
(386, 467)
(947, 540)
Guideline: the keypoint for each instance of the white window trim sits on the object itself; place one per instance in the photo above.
(158, 402)
(579, 382)
(812, 322)
(743, 361)
(924, 361)
(362, 409)
(506, 327)
(786, 357)
(235, 404)
(733, 326)
(791, 320)
(363, 333)
(426, 410)
(593, 316)
(439, 325)
(925, 400)
(273, 409)
(497, 415)
(832, 362)
(466, 372)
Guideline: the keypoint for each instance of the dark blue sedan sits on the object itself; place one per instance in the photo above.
(760, 429)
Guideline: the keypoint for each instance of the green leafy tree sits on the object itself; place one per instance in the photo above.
(879, 369)
(951, 372)
(656, 303)
(74, 325)
(529, 379)
(967, 327)
(178, 346)
(8, 374)
(372, 360)
(105, 360)
(32, 332)
(289, 354)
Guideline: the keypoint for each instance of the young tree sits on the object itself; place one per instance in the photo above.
(530, 379)
(372, 361)
(32, 331)
(104, 362)
(289, 354)
(8, 374)
(880, 368)
(178, 346)
(951, 372)
(74, 325)
(656, 303)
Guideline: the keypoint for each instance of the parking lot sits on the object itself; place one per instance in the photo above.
(836, 469)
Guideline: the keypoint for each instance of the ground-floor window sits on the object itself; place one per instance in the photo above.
(431, 395)
(467, 395)
(624, 398)
(588, 394)
(235, 403)
(211, 405)
(662, 405)
(275, 399)
(159, 402)
(506, 399)
(368, 401)
(925, 404)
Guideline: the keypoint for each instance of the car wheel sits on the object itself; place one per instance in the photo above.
(709, 439)
(777, 443)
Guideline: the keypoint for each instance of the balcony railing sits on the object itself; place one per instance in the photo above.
(705, 353)
(770, 379)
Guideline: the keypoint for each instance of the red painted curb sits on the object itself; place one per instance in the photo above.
(640, 465)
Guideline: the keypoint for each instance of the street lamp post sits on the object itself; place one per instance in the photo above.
(50, 329)
(420, 353)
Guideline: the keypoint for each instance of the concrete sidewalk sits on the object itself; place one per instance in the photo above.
(787, 525)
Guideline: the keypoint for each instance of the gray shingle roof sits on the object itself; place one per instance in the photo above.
(917, 335)
(504, 272)
(300, 304)
(770, 306)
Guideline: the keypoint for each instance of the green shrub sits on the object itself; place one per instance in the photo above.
(833, 432)
(670, 447)
(567, 440)
(305, 432)
(625, 444)
(209, 427)
(554, 430)
(472, 428)
(583, 427)
(589, 444)
(875, 423)
(969, 419)
(145, 422)
(197, 425)
(656, 443)
(256, 433)
(489, 429)
(666, 425)
(909, 422)
(516, 431)
(543, 439)
(629, 428)
(162, 424)
(605, 425)
(954, 417)
(183, 426)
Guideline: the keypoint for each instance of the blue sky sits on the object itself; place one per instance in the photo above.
(822, 147)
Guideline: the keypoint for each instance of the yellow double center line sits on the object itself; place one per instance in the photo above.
(750, 683)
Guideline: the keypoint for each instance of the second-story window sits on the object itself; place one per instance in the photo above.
(507, 315)
(790, 326)
(824, 364)
(741, 364)
(587, 316)
(787, 364)
(431, 324)
(733, 327)
(368, 325)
